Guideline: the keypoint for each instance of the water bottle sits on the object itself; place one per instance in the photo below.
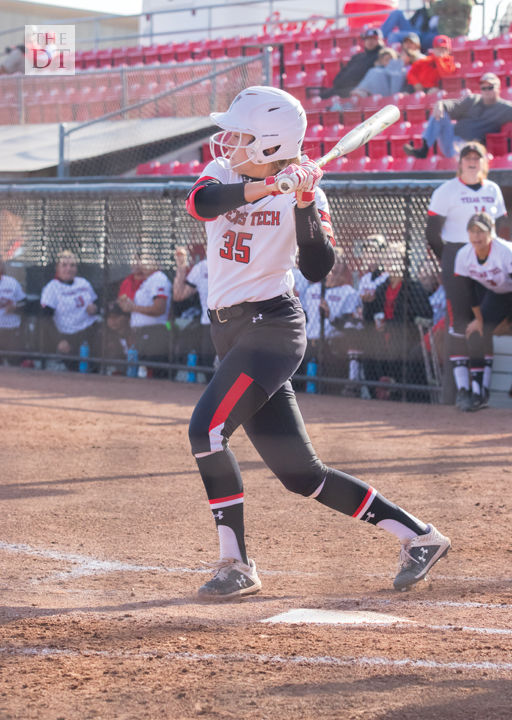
(83, 365)
(312, 371)
(191, 362)
(132, 356)
(142, 372)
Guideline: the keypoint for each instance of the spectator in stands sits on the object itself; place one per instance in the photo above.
(425, 73)
(353, 72)
(483, 300)
(377, 80)
(69, 302)
(188, 282)
(390, 325)
(149, 313)
(13, 61)
(388, 76)
(12, 301)
(423, 22)
(454, 16)
(474, 115)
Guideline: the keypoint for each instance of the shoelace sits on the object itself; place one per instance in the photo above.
(404, 555)
(220, 565)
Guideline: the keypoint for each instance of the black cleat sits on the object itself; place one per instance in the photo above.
(418, 555)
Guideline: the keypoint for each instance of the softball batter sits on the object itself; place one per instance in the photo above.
(258, 329)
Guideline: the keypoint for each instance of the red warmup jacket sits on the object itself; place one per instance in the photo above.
(428, 71)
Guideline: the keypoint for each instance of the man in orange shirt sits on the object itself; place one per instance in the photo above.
(426, 72)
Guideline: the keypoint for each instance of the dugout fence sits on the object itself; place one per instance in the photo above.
(378, 226)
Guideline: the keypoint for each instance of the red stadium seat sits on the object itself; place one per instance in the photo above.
(453, 85)
(426, 164)
(382, 164)
(330, 117)
(356, 164)
(378, 148)
(462, 55)
(445, 163)
(402, 164)
(332, 133)
(497, 143)
(484, 54)
(504, 52)
(416, 114)
(352, 117)
(312, 59)
(503, 162)
(397, 142)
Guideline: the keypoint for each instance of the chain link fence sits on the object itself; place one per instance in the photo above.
(369, 323)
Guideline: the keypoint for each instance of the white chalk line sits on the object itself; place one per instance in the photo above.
(368, 602)
(262, 658)
(84, 566)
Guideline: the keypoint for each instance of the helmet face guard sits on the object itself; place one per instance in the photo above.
(274, 118)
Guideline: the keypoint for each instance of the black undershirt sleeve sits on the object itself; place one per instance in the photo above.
(214, 198)
(433, 234)
(316, 253)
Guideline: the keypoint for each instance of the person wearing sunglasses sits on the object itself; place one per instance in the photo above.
(475, 115)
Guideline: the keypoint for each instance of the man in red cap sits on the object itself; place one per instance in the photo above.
(475, 116)
(426, 73)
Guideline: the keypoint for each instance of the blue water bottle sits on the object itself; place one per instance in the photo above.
(132, 356)
(191, 362)
(312, 371)
(83, 365)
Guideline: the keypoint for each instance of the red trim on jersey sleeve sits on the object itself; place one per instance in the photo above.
(431, 212)
(230, 399)
(190, 202)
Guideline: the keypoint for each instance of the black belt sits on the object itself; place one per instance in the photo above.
(223, 314)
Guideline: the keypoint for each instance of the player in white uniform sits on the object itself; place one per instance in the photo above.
(334, 322)
(451, 206)
(70, 301)
(184, 286)
(12, 300)
(149, 312)
(483, 277)
(258, 329)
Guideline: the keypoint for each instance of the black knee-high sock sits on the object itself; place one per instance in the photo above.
(353, 497)
(223, 483)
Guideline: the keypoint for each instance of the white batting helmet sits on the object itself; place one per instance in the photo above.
(273, 117)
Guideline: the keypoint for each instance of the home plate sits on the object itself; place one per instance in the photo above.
(335, 617)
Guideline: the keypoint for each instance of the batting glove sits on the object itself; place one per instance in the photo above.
(292, 178)
(314, 175)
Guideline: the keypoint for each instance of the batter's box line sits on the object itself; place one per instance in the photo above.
(396, 664)
(87, 566)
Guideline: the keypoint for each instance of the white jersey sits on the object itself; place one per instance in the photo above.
(10, 292)
(457, 202)
(198, 278)
(341, 300)
(367, 285)
(156, 285)
(494, 273)
(70, 303)
(247, 259)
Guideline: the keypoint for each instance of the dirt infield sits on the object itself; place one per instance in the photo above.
(105, 525)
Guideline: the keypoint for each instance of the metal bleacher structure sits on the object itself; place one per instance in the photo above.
(192, 78)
